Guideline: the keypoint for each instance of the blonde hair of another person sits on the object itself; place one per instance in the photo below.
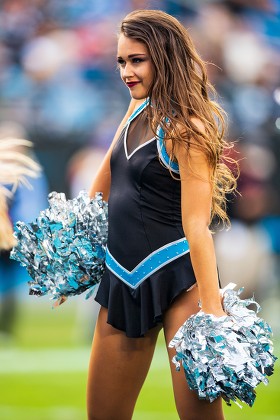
(15, 167)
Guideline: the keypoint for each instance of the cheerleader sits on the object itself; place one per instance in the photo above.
(165, 179)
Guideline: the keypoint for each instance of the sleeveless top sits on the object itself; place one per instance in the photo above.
(147, 258)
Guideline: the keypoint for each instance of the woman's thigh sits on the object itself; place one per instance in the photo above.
(118, 367)
(188, 405)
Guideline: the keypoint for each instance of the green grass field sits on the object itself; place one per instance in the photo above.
(43, 374)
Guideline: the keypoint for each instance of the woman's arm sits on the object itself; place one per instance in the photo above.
(102, 180)
(196, 210)
(7, 240)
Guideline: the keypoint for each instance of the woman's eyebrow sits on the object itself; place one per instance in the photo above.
(133, 55)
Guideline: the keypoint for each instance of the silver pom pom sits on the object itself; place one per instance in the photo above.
(64, 250)
(227, 356)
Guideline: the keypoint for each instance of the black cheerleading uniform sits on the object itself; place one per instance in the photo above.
(147, 259)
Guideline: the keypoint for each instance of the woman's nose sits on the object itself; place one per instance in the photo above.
(128, 71)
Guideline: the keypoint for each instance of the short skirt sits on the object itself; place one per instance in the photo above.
(135, 311)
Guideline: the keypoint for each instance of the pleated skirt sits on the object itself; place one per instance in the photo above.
(135, 311)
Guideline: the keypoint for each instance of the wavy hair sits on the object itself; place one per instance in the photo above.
(181, 91)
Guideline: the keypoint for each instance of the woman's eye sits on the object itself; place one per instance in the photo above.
(137, 60)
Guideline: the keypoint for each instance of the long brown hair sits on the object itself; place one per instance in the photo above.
(181, 90)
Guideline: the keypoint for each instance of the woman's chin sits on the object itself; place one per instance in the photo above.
(138, 95)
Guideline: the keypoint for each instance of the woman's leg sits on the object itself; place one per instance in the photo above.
(189, 406)
(117, 370)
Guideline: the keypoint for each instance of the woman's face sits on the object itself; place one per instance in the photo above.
(136, 67)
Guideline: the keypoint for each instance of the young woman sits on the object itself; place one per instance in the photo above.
(164, 180)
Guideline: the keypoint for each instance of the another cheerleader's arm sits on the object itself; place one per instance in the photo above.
(196, 198)
(102, 180)
(7, 240)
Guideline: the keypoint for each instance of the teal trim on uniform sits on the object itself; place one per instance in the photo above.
(138, 110)
(164, 157)
(149, 265)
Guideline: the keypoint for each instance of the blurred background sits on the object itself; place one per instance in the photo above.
(59, 88)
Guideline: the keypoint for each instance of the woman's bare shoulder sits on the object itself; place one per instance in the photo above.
(180, 148)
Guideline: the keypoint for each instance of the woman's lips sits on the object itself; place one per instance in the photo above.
(131, 84)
